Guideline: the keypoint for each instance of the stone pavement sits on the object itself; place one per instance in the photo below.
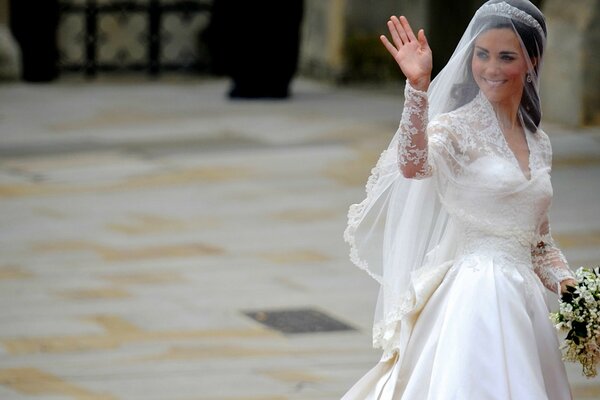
(151, 230)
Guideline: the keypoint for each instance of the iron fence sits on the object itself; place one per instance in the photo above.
(132, 35)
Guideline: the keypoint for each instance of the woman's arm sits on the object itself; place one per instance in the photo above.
(412, 139)
(549, 263)
(412, 54)
(414, 58)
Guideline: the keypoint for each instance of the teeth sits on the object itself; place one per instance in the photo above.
(494, 82)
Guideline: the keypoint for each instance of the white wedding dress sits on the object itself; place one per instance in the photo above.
(481, 330)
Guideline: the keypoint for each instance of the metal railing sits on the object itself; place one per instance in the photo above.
(132, 35)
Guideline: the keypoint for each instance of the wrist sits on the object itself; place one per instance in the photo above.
(421, 84)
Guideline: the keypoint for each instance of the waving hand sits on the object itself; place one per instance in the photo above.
(412, 54)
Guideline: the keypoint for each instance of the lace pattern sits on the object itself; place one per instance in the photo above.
(549, 263)
(387, 334)
(412, 141)
(479, 183)
(356, 212)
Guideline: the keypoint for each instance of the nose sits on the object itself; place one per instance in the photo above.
(493, 68)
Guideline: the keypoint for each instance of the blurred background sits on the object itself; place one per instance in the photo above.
(175, 176)
(333, 40)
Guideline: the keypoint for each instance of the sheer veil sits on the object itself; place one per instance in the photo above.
(403, 234)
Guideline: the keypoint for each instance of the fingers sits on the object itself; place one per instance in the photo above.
(402, 34)
(407, 29)
(400, 29)
(390, 47)
(422, 38)
(395, 34)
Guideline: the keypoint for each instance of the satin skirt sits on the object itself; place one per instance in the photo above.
(484, 334)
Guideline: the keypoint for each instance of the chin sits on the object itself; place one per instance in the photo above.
(496, 94)
(493, 96)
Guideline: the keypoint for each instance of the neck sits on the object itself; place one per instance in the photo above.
(507, 114)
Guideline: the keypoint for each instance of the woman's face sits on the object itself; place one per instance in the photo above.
(499, 66)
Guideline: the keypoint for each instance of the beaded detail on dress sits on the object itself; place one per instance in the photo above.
(549, 263)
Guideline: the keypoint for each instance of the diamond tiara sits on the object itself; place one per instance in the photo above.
(511, 12)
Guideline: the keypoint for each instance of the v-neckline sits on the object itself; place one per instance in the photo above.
(526, 174)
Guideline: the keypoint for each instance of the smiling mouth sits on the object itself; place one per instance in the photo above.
(494, 82)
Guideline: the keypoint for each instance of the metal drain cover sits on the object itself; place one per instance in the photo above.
(305, 320)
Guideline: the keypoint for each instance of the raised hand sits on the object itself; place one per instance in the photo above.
(412, 54)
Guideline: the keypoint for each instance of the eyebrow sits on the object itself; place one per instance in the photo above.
(505, 52)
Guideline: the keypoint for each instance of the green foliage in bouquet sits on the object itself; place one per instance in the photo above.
(579, 316)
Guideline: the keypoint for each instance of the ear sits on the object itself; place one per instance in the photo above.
(534, 62)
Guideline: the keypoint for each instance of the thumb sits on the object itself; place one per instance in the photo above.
(422, 38)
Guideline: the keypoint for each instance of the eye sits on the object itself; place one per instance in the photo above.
(507, 57)
(481, 55)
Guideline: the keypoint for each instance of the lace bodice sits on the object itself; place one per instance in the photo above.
(481, 184)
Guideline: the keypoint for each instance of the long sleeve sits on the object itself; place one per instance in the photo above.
(549, 263)
(412, 145)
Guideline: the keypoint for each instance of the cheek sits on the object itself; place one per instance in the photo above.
(514, 71)
(476, 67)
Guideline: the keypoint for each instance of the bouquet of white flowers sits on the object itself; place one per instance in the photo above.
(579, 316)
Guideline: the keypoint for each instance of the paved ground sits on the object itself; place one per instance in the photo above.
(148, 227)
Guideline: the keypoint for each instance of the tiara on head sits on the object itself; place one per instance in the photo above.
(511, 12)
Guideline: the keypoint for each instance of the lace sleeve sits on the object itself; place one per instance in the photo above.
(412, 144)
(549, 263)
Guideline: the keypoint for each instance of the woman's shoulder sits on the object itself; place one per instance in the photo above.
(542, 139)
(542, 136)
(457, 121)
(543, 144)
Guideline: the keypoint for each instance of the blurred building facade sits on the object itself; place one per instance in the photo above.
(150, 36)
(10, 56)
(339, 41)
(571, 77)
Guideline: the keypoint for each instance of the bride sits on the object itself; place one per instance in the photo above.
(454, 226)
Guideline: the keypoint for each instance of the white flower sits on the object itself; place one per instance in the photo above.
(584, 308)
